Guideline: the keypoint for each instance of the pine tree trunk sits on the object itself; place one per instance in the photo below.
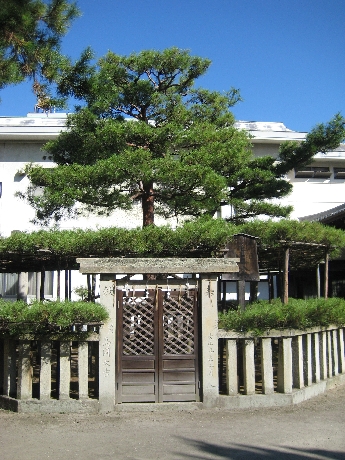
(148, 205)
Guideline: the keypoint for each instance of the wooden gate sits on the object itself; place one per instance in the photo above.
(157, 346)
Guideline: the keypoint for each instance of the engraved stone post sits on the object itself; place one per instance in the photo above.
(231, 367)
(209, 326)
(266, 366)
(24, 386)
(335, 352)
(297, 363)
(107, 345)
(284, 384)
(323, 355)
(249, 367)
(316, 357)
(45, 374)
(65, 370)
(83, 350)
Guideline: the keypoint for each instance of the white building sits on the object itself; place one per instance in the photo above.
(316, 188)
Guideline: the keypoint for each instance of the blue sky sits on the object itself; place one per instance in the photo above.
(286, 56)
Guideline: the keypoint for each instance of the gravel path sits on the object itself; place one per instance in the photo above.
(314, 429)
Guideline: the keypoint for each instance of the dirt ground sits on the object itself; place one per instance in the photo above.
(312, 430)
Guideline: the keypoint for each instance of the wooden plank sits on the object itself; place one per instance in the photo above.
(138, 377)
(179, 389)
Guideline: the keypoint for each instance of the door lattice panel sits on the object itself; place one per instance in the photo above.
(178, 326)
(138, 331)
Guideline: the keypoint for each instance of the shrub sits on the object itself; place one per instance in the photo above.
(297, 314)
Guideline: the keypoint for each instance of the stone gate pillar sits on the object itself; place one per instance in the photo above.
(209, 341)
(107, 342)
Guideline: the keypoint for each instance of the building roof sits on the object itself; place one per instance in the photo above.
(331, 216)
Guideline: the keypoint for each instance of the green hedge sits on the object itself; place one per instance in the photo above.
(44, 318)
(297, 314)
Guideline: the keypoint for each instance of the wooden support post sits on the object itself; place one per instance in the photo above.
(326, 275)
(24, 385)
(45, 374)
(58, 285)
(318, 281)
(286, 276)
(254, 285)
(297, 362)
(231, 367)
(323, 355)
(249, 367)
(266, 366)
(43, 280)
(83, 370)
(241, 294)
(66, 285)
(65, 370)
(284, 383)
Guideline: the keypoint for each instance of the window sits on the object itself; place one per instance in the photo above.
(48, 283)
(312, 172)
(9, 284)
(339, 173)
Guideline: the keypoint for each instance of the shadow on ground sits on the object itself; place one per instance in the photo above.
(241, 451)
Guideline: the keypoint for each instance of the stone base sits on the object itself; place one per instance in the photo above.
(65, 406)
(279, 399)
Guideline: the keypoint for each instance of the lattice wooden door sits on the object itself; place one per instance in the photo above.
(157, 347)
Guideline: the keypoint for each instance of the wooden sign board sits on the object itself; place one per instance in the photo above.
(243, 247)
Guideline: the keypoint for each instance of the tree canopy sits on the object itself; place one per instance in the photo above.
(30, 36)
(146, 133)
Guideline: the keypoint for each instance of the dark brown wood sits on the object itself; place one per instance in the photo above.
(286, 277)
(43, 278)
(326, 275)
(58, 285)
(167, 368)
(241, 294)
(243, 247)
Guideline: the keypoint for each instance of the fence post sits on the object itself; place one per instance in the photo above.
(231, 367)
(335, 351)
(284, 384)
(266, 366)
(297, 362)
(323, 355)
(83, 349)
(65, 370)
(24, 385)
(316, 357)
(308, 360)
(45, 374)
(341, 349)
(249, 367)
(329, 354)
